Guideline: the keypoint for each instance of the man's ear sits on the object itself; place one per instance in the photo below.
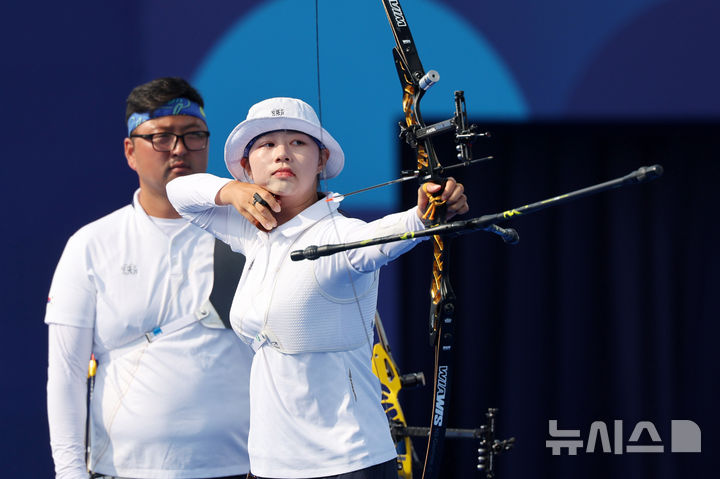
(130, 153)
(245, 163)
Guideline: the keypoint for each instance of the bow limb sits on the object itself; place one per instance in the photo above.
(415, 82)
(384, 367)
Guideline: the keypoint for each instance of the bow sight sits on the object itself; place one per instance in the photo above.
(464, 134)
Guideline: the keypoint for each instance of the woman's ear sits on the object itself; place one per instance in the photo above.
(245, 163)
(324, 155)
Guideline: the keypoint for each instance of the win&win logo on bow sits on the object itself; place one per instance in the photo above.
(685, 436)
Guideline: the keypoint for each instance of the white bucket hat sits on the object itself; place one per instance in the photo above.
(280, 114)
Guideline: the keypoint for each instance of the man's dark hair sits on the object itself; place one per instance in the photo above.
(153, 94)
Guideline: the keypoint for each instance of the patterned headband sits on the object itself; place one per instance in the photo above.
(177, 106)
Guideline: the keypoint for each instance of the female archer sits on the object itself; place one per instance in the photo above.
(314, 401)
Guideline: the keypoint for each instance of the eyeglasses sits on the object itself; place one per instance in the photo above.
(166, 141)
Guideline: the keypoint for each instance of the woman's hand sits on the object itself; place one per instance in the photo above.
(255, 203)
(453, 195)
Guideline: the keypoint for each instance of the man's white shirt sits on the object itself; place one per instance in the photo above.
(174, 408)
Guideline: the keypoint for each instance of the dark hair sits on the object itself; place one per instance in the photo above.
(153, 94)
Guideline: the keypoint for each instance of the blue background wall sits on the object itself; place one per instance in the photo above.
(68, 67)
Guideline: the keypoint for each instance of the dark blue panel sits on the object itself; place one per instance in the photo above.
(68, 67)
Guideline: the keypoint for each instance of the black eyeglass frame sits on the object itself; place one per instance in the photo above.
(151, 138)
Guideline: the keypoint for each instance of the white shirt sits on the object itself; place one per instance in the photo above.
(312, 413)
(174, 408)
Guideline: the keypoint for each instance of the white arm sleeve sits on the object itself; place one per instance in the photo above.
(69, 350)
(373, 257)
(193, 196)
(357, 263)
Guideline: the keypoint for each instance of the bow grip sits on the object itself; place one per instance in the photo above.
(436, 210)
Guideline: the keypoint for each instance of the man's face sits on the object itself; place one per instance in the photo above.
(156, 168)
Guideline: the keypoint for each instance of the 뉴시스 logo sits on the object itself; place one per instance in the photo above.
(685, 436)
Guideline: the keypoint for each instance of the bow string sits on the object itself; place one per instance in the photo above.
(414, 83)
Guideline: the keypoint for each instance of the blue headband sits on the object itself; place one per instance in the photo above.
(252, 142)
(177, 106)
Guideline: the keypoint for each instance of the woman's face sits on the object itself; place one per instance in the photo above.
(286, 163)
